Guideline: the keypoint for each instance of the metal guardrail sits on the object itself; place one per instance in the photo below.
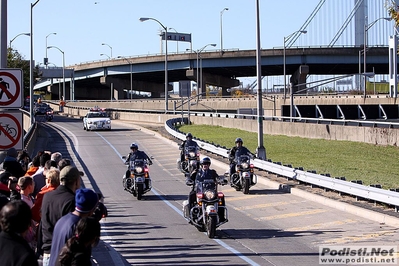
(342, 186)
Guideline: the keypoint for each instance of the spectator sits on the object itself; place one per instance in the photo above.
(63, 162)
(86, 201)
(8, 188)
(77, 250)
(11, 164)
(34, 166)
(56, 204)
(24, 159)
(43, 159)
(40, 176)
(15, 219)
(26, 186)
(52, 182)
(56, 157)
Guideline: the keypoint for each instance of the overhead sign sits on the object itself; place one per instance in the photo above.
(11, 130)
(176, 36)
(11, 88)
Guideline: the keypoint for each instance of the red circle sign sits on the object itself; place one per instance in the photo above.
(13, 139)
(11, 97)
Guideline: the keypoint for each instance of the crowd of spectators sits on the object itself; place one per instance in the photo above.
(46, 218)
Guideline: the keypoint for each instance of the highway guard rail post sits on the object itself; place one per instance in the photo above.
(342, 186)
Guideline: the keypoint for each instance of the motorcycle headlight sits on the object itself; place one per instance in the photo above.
(245, 165)
(191, 154)
(138, 169)
(209, 194)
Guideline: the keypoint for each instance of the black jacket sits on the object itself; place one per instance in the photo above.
(55, 204)
(16, 251)
(237, 151)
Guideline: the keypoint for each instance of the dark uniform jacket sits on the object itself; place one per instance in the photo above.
(56, 204)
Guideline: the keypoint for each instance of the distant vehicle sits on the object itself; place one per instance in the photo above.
(96, 119)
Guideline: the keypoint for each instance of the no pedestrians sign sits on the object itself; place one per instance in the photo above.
(11, 88)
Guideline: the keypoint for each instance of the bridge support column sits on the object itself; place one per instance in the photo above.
(211, 79)
(299, 77)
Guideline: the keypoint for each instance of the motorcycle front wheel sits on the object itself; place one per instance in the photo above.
(140, 190)
(211, 226)
(245, 186)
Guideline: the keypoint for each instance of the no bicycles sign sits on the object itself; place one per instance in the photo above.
(11, 131)
(11, 88)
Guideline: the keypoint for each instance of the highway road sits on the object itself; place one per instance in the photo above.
(266, 227)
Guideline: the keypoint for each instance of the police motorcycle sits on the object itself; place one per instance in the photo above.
(244, 176)
(139, 181)
(49, 114)
(191, 160)
(208, 210)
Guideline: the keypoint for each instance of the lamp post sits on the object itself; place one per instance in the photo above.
(199, 78)
(63, 69)
(285, 40)
(166, 58)
(109, 47)
(46, 58)
(366, 28)
(131, 76)
(31, 64)
(105, 55)
(221, 28)
(27, 34)
(177, 41)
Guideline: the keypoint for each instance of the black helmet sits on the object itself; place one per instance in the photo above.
(206, 160)
(134, 146)
(239, 140)
(189, 135)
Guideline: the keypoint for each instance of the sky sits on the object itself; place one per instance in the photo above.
(82, 26)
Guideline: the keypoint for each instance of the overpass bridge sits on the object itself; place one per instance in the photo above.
(93, 80)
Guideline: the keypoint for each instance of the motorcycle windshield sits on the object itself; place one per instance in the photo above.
(206, 184)
(191, 151)
(243, 159)
(137, 165)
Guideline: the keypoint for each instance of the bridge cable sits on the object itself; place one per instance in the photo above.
(295, 37)
(346, 23)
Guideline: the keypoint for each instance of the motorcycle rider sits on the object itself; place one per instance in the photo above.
(238, 149)
(199, 176)
(186, 143)
(136, 154)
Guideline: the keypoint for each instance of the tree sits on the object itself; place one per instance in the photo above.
(16, 60)
(393, 11)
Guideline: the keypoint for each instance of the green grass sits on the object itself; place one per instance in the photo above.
(356, 161)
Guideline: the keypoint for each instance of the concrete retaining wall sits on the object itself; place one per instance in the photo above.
(378, 136)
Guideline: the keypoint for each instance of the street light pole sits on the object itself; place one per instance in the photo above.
(166, 58)
(221, 29)
(27, 34)
(131, 76)
(260, 150)
(46, 59)
(366, 28)
(109, 47)
(198, 56)
(31, 64)
(63, 69)
(106, 55)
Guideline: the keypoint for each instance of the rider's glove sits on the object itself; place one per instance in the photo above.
(150, 163)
